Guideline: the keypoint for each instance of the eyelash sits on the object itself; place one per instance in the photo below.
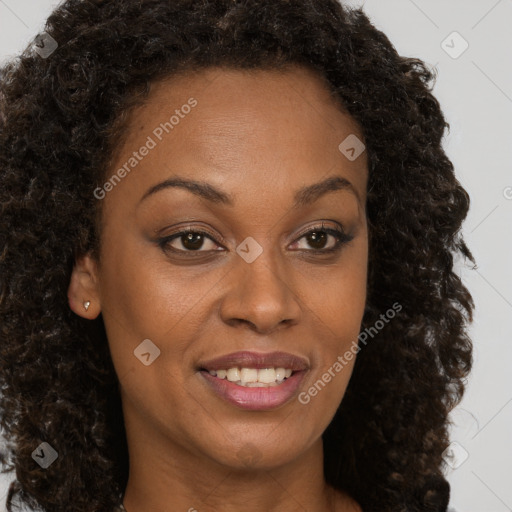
(342, 239)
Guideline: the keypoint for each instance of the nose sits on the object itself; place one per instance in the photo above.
(261, 295)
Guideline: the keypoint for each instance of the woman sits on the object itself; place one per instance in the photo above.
(228, 232)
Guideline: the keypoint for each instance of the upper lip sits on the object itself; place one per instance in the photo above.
(247, 359)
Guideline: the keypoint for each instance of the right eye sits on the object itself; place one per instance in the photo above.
(190, 240)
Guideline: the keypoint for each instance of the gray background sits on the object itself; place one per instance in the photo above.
(475, 92)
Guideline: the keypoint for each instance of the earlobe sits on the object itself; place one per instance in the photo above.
(83, 290)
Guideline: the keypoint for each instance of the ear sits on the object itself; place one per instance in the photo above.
(83, 290)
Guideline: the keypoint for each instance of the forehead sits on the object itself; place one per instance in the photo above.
(225, 93)
(245, 127)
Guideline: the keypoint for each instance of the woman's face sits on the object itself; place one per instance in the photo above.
(258, 274)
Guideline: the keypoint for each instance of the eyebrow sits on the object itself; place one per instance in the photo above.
(303, 197)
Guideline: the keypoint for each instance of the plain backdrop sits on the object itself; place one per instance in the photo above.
(469, 44)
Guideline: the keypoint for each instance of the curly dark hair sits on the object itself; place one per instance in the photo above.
(61, 119)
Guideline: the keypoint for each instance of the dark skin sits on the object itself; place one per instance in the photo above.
(258, 136)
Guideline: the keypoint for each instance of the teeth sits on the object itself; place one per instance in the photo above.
(233, 375)
(259, 384)
(280, 373)
(253, 377)
(248, 375)
(267, 375)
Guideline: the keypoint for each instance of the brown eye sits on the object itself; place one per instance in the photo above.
(318, 237)
(190, 241)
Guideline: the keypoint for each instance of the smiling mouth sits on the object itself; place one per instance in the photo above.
(255, 381)
(252, 377)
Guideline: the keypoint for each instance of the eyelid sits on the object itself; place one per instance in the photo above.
(338, 231)
(183, 229)
(320, 227)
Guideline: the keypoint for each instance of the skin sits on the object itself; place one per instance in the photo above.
(258, 136)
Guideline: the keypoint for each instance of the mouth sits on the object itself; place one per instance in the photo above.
(253, 377)
(255, 381)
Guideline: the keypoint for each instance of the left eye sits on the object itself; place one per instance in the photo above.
(317, 237)
(193, 240)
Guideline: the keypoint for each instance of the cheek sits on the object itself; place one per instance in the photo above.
(340, 312)
(338, 300)
(140, 297)
(338, 305)
(140, 289)
(339, 319)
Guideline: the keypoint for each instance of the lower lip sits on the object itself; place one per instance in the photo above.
(255, 399)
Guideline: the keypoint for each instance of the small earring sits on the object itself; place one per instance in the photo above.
(86, 305)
